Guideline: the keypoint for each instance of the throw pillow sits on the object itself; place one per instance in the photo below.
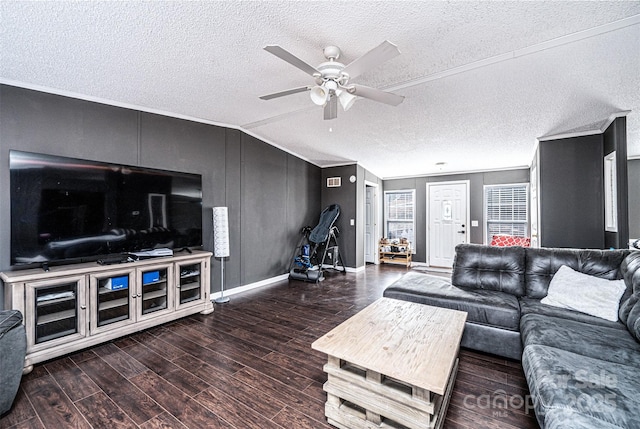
(588, 294)
(510, 240)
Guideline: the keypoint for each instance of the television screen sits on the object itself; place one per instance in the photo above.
(71, 210)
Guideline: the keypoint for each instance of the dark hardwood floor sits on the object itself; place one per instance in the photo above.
(247, 365)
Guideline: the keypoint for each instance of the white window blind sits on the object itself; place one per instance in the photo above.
(400, 215)
(506, 210)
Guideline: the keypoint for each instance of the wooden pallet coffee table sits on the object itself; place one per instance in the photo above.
(392, 365)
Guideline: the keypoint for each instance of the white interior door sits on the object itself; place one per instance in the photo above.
(369, 225)
(447, 220)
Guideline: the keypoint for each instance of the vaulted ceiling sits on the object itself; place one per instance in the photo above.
(481, 80)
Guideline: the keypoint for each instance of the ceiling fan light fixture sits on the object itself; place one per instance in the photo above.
(319, 95)
(346, 99)
(332, 78)
(331, 85)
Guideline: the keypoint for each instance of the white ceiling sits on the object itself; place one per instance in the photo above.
(482, 80)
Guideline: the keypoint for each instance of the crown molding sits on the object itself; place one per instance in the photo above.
(591, 132)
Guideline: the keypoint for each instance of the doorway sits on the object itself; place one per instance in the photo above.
(447, 220)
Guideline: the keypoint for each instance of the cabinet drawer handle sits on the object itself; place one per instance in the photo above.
(83, 307)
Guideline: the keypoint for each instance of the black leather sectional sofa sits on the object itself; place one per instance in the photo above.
(582, 370)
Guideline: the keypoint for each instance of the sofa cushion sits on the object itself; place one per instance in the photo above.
(543, 263)
(533, 306)
(610, 344)
(490, 268)
(587, 294)
(633, 321)
(564, 418)
(564, 382)
(485, 307)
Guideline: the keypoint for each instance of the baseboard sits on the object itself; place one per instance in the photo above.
(250, 286)
(269, 281)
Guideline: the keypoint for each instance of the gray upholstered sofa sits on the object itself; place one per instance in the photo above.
(582, 370)
(13, 346)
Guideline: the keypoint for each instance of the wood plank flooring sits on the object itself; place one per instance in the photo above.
(247, 365)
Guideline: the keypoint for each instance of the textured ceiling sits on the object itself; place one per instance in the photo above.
(482, 80)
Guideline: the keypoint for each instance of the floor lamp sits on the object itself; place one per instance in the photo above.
(221, 244)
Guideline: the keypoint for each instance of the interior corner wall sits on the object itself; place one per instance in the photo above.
(571, 195)
(360, 198)
(346, 197)
(477, 181)
(615, 139)
(633, 171)
(371, 178)
(270, 193)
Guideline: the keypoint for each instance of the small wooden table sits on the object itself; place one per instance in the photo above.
(392, 365)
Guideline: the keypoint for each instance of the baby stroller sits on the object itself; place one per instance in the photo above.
(318, 249)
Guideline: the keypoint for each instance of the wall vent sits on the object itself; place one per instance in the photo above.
(334, 182)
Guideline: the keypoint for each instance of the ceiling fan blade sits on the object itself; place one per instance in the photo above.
(381, 53)
(286, 92)
(291, 59)
(376, 94)
(331, 108)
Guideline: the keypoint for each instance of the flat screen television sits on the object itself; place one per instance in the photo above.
(66, 210)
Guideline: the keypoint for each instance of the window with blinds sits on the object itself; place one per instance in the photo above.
(399, 215)
(506, 210)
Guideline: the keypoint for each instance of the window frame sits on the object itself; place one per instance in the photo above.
(485, 203)
(412, 240)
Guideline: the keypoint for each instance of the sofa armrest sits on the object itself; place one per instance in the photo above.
(8, 320)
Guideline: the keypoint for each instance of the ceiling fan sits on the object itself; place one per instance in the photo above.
(332, 78)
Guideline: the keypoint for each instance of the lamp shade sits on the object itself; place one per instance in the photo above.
(319, 95)
(346, 100)
(220, 232)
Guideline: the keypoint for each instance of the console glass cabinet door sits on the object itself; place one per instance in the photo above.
(154, 296)
(59, 311)
(190, 284)
(112, 296)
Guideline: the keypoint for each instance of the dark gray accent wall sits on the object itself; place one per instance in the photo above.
(477, 181)
(303, 181)
(615, 139)
(346, 196)
(634, 197)
(571, 192)
(270, 193)
(232, 200)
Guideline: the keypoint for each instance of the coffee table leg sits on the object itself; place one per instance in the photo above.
(421, 394)
(362, 400)
(375, 377)
(333, 400)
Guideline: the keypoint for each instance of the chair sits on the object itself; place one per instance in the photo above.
(13, 347)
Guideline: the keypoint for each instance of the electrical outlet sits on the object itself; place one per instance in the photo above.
(353, 222)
